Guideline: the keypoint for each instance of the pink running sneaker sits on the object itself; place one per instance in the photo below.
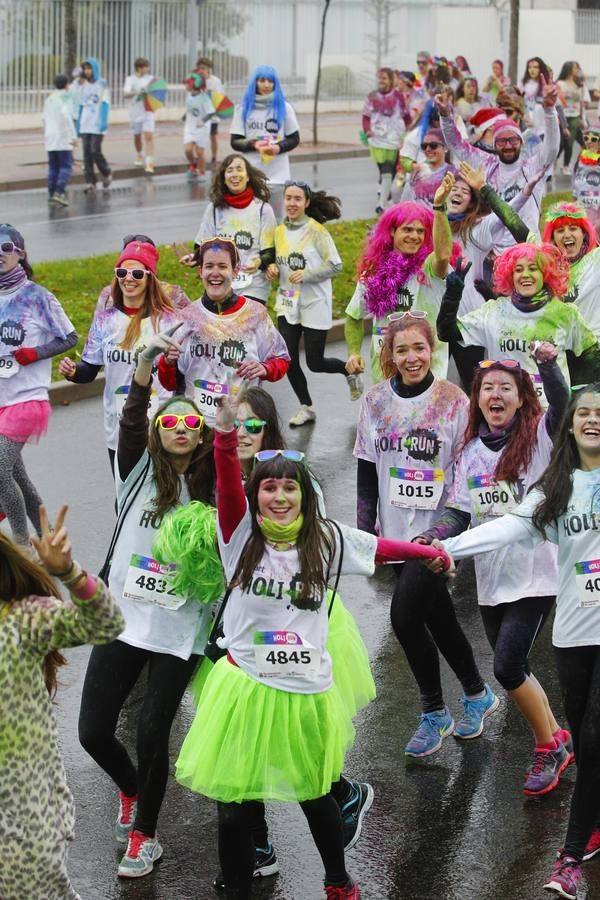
(544, 774)
(565, 877)
(593, 845)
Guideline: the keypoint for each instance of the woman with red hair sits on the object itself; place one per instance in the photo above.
(532, 281)
(403, 267)
(506, 448)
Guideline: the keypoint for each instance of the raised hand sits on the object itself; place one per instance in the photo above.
(475, 178)
(446, 185)
(226, 408)
(183, 254)
(543, 351)
(442, 101)
(54, 547)
(162, 342)
(456, 277)
(549, 93)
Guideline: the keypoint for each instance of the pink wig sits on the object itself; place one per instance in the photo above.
(551, 261)
(380, 240)
(562, 214)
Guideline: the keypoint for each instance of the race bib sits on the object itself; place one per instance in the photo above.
(207, 394)
(121, 396)
(590, 200)
(148, 581)
(416, 488)
(8, 366)
(587, 580)
(241, 281)
(287, 302)
(490, 497)
(285, 654)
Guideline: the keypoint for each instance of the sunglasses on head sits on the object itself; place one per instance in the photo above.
(251, 425)
(292, 455)
(142, 238)
(8, 247)
(431, 145)
(413, 313)
(592, 137)
(138, 274)
(301, 184)
(170, 421)
(501, 363)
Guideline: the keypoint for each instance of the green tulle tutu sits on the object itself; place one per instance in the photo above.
(250, 741)
(349, 660)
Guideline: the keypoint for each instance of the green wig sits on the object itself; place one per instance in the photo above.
(187, 537)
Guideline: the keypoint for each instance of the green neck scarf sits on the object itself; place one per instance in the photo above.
(276, 533)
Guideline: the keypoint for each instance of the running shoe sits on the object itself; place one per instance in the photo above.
(142, 852)
(565, 877)
(433, 728)
(89, 189)
(139, 162)
(378, 210)
(304, 416)
(265, 864)
(355, 383)
(475, 710)
(544, 774)
(126, 817)
(593, 845)
(568, 745)
(191, 173)
(61, 199)
(349, 892)
(107, 180)
(51, 198)
(149, 170)
(354, 810)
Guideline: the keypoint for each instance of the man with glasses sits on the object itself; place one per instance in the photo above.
(505, 169)
(423, 64)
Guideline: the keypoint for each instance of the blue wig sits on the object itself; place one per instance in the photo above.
(249, 98)
(424, 124)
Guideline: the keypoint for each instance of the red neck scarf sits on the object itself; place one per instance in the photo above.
(241, 200)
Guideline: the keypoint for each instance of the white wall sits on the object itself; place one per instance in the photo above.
(549, 33)
(474, 32)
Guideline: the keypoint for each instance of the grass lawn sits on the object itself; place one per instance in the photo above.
(78, 282)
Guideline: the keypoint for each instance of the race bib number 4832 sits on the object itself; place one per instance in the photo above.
(148, 581)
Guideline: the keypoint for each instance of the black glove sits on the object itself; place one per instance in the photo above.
(455, 281)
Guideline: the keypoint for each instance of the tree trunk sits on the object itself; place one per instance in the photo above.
(70, 37)
(513, 42)
(318, 82)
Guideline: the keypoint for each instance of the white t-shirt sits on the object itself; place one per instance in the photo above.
(59, 128)
(198, 110)
(214, 345)
(103, 348)
(584, 289)
(265, 616)
(413, 442)
(252, 229)
(260, 125)
(511, 573)
(505, 333)
(29, 317)
(135, 84)
(425, 293)
(577, 620)
(155, 617)
(304, 248)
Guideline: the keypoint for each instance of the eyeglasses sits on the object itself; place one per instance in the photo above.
(138, 274)
(501, 363)
(593, 138)
(170, 421)
(413, 313)
(507, 142)
(142, 238)
(430, 145)
(8, 247)
(292, 455)
(252, 426)
(422, 62)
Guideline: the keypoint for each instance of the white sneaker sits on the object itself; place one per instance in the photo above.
(304, 415)
(126, 817)
(142, 852)
(139, 162)
(356, 386)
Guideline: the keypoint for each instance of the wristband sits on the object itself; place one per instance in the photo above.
(441, 207)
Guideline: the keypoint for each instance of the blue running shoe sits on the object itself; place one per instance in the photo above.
(433, 728)
(474, 713)
(354, 810)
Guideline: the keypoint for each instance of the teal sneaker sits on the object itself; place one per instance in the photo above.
(126, 817)
(142, 852)
(433, 728)
(474, 713)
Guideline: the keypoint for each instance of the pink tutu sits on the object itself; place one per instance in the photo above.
(26, 422)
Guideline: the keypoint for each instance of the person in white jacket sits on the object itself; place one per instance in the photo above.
(59, 139)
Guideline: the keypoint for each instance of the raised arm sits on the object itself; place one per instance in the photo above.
(447, 325)
(453, 138)
(506, 214)
(442, 236)
(231, 499)
(555, 387)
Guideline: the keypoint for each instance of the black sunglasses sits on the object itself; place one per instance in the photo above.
(430, 145)
(301, 184)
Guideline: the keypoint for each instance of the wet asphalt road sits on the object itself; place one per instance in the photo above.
(452, 827)
(168, 208)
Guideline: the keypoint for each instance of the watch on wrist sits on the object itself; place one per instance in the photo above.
(439, 207)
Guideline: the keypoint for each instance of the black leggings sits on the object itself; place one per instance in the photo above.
(314, 348)
(112, 672)
(512, 629)
(579, 676)
(424, 621)
(236, 840)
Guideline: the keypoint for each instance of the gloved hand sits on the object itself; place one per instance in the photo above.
(26, 355)
(161, 343)
(455, 280)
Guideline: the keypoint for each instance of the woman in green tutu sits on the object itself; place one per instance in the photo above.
(271, 722)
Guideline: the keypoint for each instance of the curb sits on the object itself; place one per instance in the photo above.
(62, 393)
(174, 168)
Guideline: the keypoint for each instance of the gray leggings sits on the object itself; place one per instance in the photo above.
(18, 495)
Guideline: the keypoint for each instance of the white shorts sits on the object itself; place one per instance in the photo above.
(145, 125)
(198, 136)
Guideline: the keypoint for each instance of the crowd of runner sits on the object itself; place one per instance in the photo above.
(223, 569)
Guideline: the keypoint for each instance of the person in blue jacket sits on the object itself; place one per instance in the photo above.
(93, 122)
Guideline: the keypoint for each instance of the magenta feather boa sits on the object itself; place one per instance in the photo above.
(394, 270)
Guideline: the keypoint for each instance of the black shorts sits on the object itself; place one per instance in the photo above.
(214, 127)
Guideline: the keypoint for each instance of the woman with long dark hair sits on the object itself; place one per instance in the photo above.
(575, 95)
(535, 77)
(563, 508)
(33, 329)
(159, 466)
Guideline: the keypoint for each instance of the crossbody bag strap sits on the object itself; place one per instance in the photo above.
(123, 511)
(339, 569)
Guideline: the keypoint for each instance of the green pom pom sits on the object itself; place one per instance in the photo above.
(187, 537)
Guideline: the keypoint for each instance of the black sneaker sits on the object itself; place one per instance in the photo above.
(264, 865)
(353, 811)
